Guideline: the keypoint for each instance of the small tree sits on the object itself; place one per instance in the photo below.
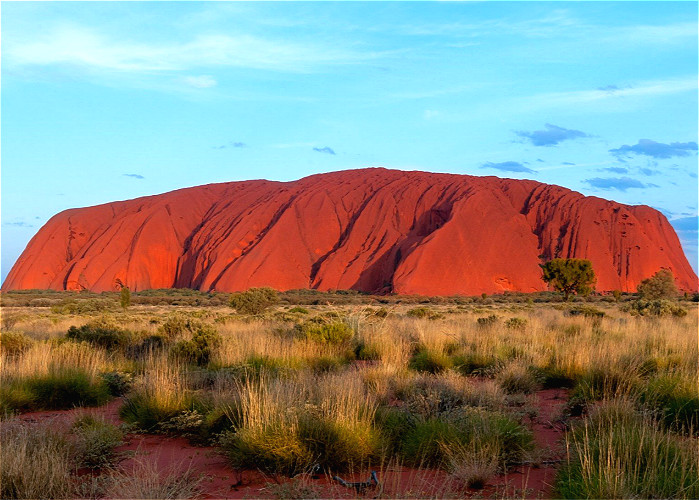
(125, 297)
(569, 276)
(659, 286)
(254, 301)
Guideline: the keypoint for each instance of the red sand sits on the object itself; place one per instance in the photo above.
(221, 481)
(373, 230)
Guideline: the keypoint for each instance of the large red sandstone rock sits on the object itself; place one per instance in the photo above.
(374, 230)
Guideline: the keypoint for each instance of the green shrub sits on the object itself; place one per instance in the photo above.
(95, 442)
(299, 310)
(516, 323)
(423, 312)
(335, 332)
(177, 325)
(14, 343)
(101, 333)
(200, 348)
(429, 361)
(598, 384)
(254, 301)
(488, 321)
(83, 306)
(118, 383)
(655, 308)
(552, 376)
(586, 311)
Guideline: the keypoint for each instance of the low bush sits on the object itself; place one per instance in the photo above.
(658, 307)
(102, 332)
(298, 310)
(586, 311)
(118, 383)
(487, 321)
(471, 466)
(83, 306)
(200, 349)
(254, 301)
(516, 323)
(423, 312)
(95, 442)
(324, 332)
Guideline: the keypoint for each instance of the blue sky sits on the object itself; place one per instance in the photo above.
(106, 101)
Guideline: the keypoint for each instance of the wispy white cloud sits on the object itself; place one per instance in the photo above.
(644, 89)
(200, 82)
(87, 48)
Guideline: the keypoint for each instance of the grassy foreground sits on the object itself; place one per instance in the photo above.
(344, 388)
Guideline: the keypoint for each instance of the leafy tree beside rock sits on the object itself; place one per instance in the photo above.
(569, 276)
(254, 301)
(659, 286)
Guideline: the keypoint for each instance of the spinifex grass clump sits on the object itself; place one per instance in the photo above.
(36, 462)
(159, 394)
(48, 377)
(435, 441)
(619, 453)
(674, 401)
(517, 377)
(291, 426)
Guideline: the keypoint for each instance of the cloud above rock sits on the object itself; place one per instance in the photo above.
(655, 149)
(551, 135)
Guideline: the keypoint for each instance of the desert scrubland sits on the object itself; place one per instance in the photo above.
(180, 395)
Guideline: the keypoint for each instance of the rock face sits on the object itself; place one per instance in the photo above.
(373, 230)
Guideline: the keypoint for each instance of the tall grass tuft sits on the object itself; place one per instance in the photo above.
(36, 462)
(292, 426)
(619, 453)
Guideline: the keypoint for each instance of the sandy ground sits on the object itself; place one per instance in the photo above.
(222, 481)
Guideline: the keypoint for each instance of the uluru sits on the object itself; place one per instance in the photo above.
(373, 230)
